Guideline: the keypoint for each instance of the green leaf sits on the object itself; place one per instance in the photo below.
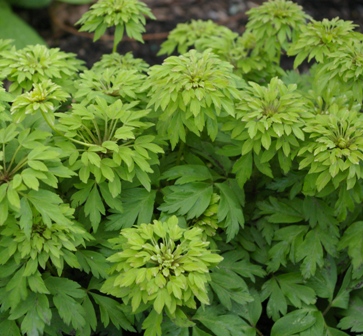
(190, 199)
(229, 286)
(47, 204)
(284, 290)
(352, 240)
(9, 328)
(230, 210)
(94, 207)
(138, 208)
(353, 315)
(12, 27)
(65, 294)
(111, 310)
(220, 322)
(92, 261)
(187, 173)
(293, 323)
(152, 324)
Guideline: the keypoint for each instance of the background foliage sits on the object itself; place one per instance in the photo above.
(215, 194)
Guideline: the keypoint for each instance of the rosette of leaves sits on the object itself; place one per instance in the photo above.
(48, 242)
(275, 24)
(161, 266)
(110, 146)
(45, 97)
(191, 91)
(240, 51)
(30, 166)
(123, 15)
(344, 67)
(334, 151)
(268, 123)
(318, 39)
(187, 35)
(110, 85)
(115, 62)
(37, 63)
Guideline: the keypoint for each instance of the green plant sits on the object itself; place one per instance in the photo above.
(215, 194)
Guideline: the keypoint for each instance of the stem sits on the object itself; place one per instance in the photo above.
(180, 153)
(92, 138)
(327, 309)
(61, 134)
(4, 160)
(12, 159)
(98, 131)
(113, 128)
(18, 166)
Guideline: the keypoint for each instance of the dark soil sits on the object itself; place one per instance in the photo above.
(56, 23)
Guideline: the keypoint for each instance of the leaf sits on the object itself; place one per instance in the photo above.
(190, 199)
(293, 323)
(353, 315)
(111, 310)
(352, 240)
(229, 286)
(94, 207)
(285, 290)
(9, 328)
(47, 204)
(152, 324)
(138, 208)
(65, 294)
(220, 322)
(230, 210)
(92, 261)
(243, 168)
(187, 173)
(325, 279)
(311, 251)
(12, 27)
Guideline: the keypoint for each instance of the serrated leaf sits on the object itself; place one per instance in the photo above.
(353, 316)
(92, 261)
(230, 210)
(94, 207)
(220, 322)
(293, 323)
(283, 290)
(47, 204)
(138, 207)
(111, 311)
(65, 292)
(187, 173)
(190, 199)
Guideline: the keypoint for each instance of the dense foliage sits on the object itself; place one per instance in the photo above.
(218, 193)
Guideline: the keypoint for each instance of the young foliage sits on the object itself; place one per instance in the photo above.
(215, 194)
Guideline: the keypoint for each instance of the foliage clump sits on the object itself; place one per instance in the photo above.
(218, 193)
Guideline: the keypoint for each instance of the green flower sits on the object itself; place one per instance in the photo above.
(162, 266)
(318, 39)
(192, 90)
(335, 151)
(45, 98)
(124, 15)
(37, 63)
(275, 24)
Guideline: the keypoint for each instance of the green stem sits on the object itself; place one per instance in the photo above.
(21, 164)
(12, 159)
(180, 152)
(4, 160)
(61, 134)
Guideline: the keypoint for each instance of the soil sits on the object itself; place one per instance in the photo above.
(56, 23)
